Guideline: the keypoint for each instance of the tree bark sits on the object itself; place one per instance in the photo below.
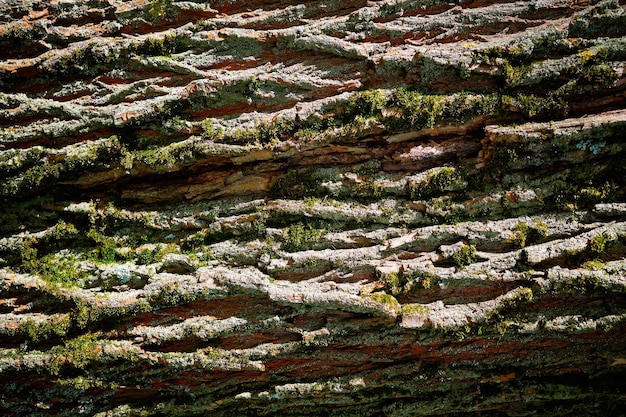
(390, 208)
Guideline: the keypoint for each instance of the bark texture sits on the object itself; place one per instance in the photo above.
(338, 208)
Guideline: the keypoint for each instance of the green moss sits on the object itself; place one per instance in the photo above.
(298, 184)
(15, 160)
(63, 230)
(594, 265)
(526, 233)
(171, 295)
(368, 189)
(160, 46)
(275, 131)
(414, 309)
(193, 242)
(86, 60)
(598, 244)
(538, 231)
(504, 158)
(514, 75)
(584, 188)
(16, 34)
(84, 157)
(419, 280)
(213, 234)
(388, 301)
(85, 314)
(465, 256)
(61, 270)
(306, 134)
(584, 284)
(467, 106)
(391, 281)
(76, 160)
(364, 104)
(438, 181)
(261, 134)
(463, 332)
(605, 18)
(259, 227)
(92, 58)
(549, 106)
(394, 282)
(79, 383)
(31, 181)
(105, 250)
(509, 309)
(78, 353)
(209, 129)
(444, 178)
(315, 265)
(600, 74)
(57, 326)
(27, 253)
(159, 10)
(431, 71)
(150, 255)
(300, 236)
(310, 202)
(417, 110)
(179, 153)
(538, 46)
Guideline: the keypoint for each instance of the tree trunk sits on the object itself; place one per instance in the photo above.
(355, 208)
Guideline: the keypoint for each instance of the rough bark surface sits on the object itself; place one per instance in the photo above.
(392, 208)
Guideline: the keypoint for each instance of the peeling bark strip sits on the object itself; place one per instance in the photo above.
(338, 208)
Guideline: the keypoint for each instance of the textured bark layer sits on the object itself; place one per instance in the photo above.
(389, 208)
